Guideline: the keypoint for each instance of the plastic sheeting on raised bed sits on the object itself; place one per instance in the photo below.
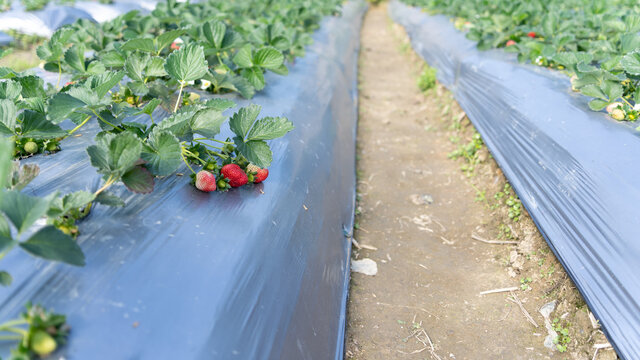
(5, 39)
(576, 171)
(254, 273)
(46, 21)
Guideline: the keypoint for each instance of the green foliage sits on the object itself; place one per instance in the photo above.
(563, 340)
(427, 79)
(595, 42)
(507, 197)
(469, 152)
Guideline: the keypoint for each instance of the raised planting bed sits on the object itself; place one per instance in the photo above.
(575, 170)
(258, 272)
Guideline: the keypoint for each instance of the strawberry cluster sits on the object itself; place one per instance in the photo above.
(229, 176)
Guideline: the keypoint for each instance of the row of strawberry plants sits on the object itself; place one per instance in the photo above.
(33, 5)
(129, 68)
(596, 42)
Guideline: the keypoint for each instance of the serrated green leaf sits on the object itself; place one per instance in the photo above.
(155, 67)
(270, 128)
(32, 86)
(167, 38)
(108, 199)
(140, 44)
(114, 155)
(138, 88)
(268, 58)
(597, 104)
(52, 244)
(35, 125)
(207, 122)
(243, 57)
(112, 59)
(187, 64)
(631, 63)
(138, 180)
(178, 124)
(242, 121)
(594, 91)
(255, 77)
(164, 153)
(8, 112)
(150, 106)
(219, 104)
(74, 58)
(214, 32)
(10, 89)
(257, 151)
(135, 65)
(103, 83)
(613, 89)
(60, 106)
(6, 166)
(23, 210)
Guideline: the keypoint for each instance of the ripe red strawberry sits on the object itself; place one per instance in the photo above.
(175, 46)
(511, 43)
(531, 34)
(205, 181)
(260, 174)
(237, 177)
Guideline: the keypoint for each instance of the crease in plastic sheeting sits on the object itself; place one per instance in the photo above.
(247, 274)
(575, 170)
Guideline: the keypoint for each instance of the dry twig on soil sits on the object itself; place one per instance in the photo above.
(495, 242)
(514, 298)
(493, 291)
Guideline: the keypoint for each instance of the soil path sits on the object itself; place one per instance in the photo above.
(430, 271)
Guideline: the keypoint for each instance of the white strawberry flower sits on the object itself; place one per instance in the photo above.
(204, 84)
(191, 82)
(636, 107)
(178, 41)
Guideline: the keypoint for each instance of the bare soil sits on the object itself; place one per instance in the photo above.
(417, 212)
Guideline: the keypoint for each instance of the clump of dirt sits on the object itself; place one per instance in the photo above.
(443, 227)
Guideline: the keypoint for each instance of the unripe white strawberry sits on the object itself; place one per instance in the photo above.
(618, 114)
(205, 181)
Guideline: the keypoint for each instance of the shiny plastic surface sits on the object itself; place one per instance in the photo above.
(576, 171)
(259, 272)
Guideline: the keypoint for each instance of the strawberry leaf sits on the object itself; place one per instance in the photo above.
(150, 107)
(60, 106)
(32, 86)
(8, 112)
(242, 121)
(139, 180)
(140, 44)
(23, 210)
(155, 67)
(270, 128)
(207, 122)
(35, 125)
(256, 151)
(5, 278)
(187, 64)
(10, 89)
(167, 38)
(214, 32)
(52, 244)
(6, 152)
(268, 58)
(114, 155)
(74, 57)
(243, 57)
(108, 199)
(135, 65)
(164, 154)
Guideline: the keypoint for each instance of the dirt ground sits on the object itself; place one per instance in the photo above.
(423, 194)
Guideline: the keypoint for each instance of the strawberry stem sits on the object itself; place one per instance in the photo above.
(102, 119)
(79, 126)
(209, 145)
(175, 108)
(186, 162)
(106, 185)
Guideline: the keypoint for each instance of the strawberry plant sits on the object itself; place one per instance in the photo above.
(594, 42)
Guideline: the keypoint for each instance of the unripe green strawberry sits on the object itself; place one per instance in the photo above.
(52, 146)
(42, 343)
(618, 114)
(31, 147)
